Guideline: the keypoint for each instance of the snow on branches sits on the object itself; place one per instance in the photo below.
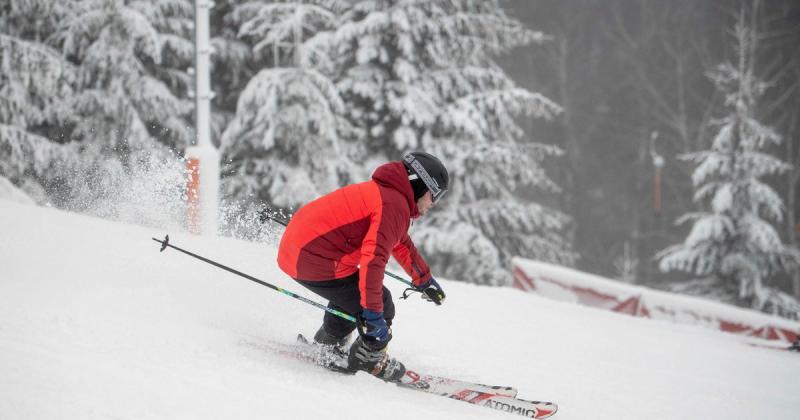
(734, 242)
(420, 75)
(284, 146)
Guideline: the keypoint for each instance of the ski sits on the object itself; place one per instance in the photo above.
(503, 398)
(478, 394)
(440, 385)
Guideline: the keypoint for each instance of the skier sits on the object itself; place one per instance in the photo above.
(338, 245)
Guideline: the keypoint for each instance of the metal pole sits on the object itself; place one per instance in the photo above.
(203, 158)
(203, 92)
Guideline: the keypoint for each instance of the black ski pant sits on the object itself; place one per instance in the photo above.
(344, 295)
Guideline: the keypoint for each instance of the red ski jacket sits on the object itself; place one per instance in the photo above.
(357, 225)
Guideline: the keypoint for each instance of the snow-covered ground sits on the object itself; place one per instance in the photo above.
(96, 323)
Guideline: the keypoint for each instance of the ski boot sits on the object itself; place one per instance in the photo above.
(374, 360)
(332, 352)
(327, 339)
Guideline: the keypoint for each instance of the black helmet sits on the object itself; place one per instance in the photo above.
(430, 171)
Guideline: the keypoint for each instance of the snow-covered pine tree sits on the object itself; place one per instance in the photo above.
(420, 75)
(284, 145)
(117, 100)
(733, 244)
(173, 20)
(34, 79)
(233, 63)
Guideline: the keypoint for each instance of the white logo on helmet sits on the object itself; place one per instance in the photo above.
(424, 175)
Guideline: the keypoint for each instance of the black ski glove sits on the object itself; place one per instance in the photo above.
(432, 292)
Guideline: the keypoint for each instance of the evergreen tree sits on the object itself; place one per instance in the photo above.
(233, 63)
(34, 80)
(117, 98)
(284, 145)
(419, 75)
(173, 20)
(734, 243)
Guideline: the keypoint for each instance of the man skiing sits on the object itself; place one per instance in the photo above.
(338, 246)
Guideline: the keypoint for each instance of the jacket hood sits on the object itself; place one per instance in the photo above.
(394, 175)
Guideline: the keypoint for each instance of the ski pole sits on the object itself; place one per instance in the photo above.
(263, 215)
(165, 243)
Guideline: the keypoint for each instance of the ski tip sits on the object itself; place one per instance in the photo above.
(544, 414)
(545, 409)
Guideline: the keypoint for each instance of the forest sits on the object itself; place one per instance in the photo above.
(648, 141)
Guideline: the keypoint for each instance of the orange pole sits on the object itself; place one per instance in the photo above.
(193, 195)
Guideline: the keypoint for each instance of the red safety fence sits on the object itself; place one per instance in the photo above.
(569, 285)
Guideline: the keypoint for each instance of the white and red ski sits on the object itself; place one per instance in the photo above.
(496, 397)
(503, 398)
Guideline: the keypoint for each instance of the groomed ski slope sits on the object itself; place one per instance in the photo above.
(95, 323)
